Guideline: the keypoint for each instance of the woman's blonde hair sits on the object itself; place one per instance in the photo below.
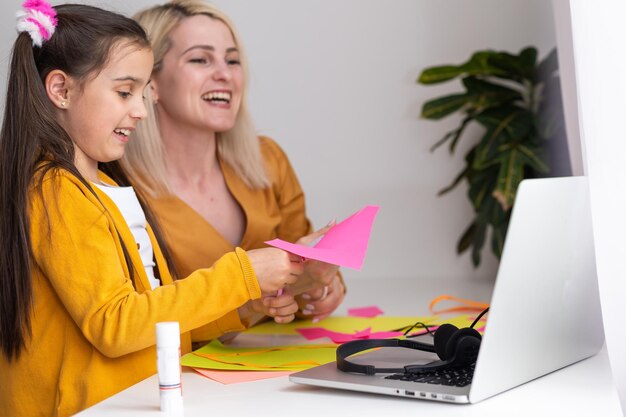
(144, 159)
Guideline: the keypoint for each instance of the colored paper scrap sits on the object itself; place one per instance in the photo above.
(314, 333)
(236, 377)
(464, 305)
(342, 324)
(344, 244)
(371, 311)
(215, 355)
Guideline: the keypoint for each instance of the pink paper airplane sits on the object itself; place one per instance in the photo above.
(344, 244)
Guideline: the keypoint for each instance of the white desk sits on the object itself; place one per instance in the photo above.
(582, 389)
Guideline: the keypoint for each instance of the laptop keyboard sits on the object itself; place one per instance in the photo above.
(458, 377)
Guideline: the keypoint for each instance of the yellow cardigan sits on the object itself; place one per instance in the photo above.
(274, 212)
(93, 328)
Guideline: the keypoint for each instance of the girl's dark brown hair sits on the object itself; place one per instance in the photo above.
(32, 142)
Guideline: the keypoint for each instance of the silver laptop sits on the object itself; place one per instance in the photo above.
(545, 309)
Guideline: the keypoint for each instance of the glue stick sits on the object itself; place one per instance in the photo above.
(168, 367)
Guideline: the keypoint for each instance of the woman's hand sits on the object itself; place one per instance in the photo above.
(316, 274)
(320, 302)
(275, 268)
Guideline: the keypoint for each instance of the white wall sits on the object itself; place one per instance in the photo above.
(598, 34)
(334, 82)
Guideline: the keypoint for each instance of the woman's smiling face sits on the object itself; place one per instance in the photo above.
(199, 84)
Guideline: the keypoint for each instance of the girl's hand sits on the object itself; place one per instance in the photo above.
(275, 268)
(282, 308)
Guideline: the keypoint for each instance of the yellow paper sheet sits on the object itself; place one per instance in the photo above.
(355, 324)
(340, 324)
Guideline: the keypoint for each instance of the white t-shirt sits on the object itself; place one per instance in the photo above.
(126, 201)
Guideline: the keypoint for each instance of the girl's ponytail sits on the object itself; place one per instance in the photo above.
(27, 113)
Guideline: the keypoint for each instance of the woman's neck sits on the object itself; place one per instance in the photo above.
(190, 154)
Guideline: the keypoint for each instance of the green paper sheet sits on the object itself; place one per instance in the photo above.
(275, 358)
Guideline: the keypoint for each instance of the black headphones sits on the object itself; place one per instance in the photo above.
(455, 347)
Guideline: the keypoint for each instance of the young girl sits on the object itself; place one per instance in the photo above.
(83, 279)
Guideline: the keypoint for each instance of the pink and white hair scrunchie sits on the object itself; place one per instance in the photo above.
(38, 19)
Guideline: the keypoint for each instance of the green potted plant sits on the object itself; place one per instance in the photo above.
(517, 101)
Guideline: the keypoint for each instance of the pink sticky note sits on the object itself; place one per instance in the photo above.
(363, 334)
(372, 311)
(344, 244)
(384, 335)
(235, 377)
(312, 333)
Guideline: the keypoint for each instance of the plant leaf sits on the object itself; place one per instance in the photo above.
(483, 94)
(454, 183)
(516, 120)
(479, 241)
(516, 67)
(534, 158)
(528, 61)
(434, 75)
(481, 185)
(480, 64)
(455, 134)
(510, 175)
(443, 106)
(498, 235)
(479, 85)
(466, 238)
(504, 125)
(459, 132)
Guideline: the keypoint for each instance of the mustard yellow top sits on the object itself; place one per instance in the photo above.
(275, 212)
(93, 328)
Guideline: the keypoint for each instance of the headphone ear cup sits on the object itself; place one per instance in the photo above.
(462, 347)
(442, 336)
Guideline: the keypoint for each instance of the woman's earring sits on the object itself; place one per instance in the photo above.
(63, 104)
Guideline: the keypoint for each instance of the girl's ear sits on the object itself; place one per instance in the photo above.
(57, 88)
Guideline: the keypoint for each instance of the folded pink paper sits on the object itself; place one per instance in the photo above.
(344, 244)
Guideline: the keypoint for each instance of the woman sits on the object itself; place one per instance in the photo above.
(212, 183)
